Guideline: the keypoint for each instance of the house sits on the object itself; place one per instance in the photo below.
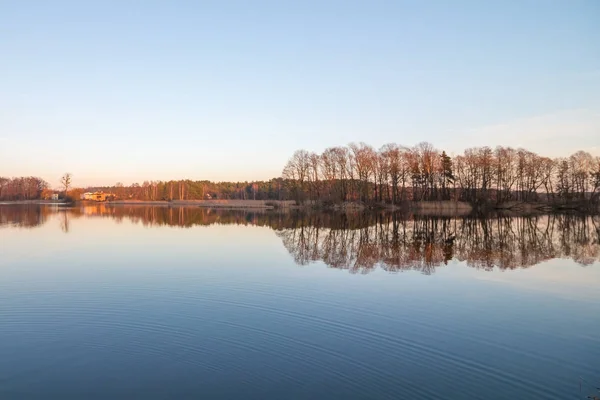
(97, 196)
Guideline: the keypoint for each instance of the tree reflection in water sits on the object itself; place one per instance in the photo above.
(400, 242)
(363, 241)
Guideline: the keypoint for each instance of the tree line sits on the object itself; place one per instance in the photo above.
(34, 188)
(274, 189)
(23, 188)
(396, 173)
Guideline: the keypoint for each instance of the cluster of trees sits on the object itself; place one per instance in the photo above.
(396, 173)
(32, 188)
(23, 188)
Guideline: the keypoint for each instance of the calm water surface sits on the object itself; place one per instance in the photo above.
(150, 302)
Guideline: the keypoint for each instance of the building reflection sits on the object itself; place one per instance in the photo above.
(362, 241)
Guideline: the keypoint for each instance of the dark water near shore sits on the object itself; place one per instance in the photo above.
(155, 302)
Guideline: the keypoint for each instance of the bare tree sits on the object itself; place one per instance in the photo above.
(4, 184)
(296, 171)
(595, 179)
(65, 181)
(364, 163)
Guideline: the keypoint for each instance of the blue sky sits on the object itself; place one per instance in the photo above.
(227, 90)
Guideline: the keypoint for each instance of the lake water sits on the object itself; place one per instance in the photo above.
(152, 302)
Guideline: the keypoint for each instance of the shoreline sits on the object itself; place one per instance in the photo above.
(446, 207)
(229, 204)
(32, 202)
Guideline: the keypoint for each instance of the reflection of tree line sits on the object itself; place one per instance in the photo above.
(396, 243)
(186, 217)
(363, 240)
(24, 216)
